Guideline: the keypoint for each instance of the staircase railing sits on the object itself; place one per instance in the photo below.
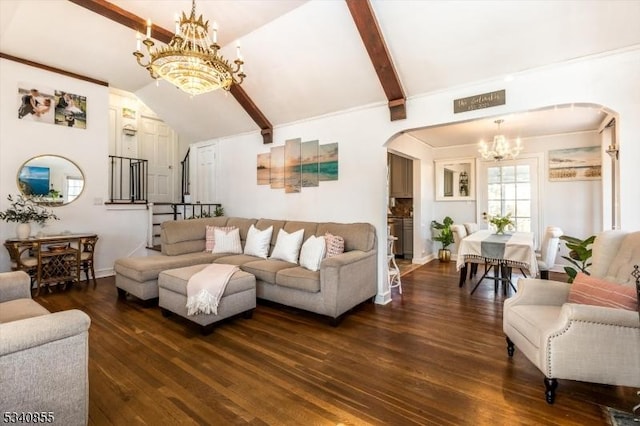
(185, 175)
(128, 179)
(191, 210)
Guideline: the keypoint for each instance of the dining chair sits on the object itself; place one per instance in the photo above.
(471, 227)
(460, 232)
(549, 250)
(88, 246)
(23, 258)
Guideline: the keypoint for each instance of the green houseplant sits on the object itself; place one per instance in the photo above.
(25, 210)
(445, 236)
(579, 255)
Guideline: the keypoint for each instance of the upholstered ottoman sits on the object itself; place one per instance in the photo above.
(239, 296)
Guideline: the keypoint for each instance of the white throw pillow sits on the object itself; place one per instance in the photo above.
(312, 253)
(288, 246)
(227, 241)
(258, 242)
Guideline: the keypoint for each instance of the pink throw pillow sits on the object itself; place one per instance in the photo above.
(335, 245)
(588, 290)
(210, 241)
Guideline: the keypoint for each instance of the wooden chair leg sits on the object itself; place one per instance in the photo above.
(510, 347)
(544, 275)
(550, 386)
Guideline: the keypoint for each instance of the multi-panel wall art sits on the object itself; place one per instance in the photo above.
(297, 165)
(46, 105)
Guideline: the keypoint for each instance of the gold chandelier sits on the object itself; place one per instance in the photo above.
(500, 149)
(191, 61)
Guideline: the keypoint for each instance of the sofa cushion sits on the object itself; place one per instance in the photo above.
(588, 290)
(236, 259)
(266, 270)
(147, 268)
(533, 320)
(288, 246)
(210, 236)
(176, 280)
(277, 226)
(357, 236)
(258, 242)
(312, 253)
(18, 309)
(243, 225)
(227, 241)
(299, 278)
(335, 245)
(310, 228)
(176, 231)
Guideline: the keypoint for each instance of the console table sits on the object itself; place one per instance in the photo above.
(48, 259)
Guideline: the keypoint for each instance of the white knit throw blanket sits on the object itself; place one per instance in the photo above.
(205, 288)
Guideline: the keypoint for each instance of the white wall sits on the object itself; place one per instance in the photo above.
(360, 192)
(121, 233)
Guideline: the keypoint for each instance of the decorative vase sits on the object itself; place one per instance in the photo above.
(444, 255)
(500, 229)
(23, 230)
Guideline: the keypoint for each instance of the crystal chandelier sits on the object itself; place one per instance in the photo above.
(501, 148)
(191, 61)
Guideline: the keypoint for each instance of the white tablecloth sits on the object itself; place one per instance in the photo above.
(515, 250)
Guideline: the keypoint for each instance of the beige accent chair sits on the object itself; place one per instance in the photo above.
(460, 232)
(43, 356)
(549, 250)
(579, 342)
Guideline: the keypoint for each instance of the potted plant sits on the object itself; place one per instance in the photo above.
(445, 236)
(24, 210)
(219, 211)
(579, 255)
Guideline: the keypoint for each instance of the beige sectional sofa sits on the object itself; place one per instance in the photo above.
(342, 282)
(43, 357)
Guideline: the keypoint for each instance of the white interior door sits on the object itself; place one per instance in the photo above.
(205, 174)
(157, 146)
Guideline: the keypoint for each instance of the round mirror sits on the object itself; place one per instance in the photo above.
(57, 180)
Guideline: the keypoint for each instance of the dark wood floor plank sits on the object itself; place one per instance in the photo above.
(434, 355)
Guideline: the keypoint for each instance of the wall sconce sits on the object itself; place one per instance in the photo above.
(129, 130)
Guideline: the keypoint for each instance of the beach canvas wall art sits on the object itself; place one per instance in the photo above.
(292, 175)
(36, 103)
(309, 163)
(296, 165)
(276, 167)
(328, 162)
(575, 164)
(264, 161)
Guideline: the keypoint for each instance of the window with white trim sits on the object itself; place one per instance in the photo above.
(74, 187)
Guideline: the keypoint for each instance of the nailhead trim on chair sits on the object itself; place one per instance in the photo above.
(564, 330)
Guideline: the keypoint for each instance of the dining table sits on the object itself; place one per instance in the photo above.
(498, 252)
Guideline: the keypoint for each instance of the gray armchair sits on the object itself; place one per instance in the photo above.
(43, 356)
(573, 341)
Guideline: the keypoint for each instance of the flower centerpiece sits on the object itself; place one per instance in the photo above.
(24, 210)
(501, 223)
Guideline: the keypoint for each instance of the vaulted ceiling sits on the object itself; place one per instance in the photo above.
(307, 58)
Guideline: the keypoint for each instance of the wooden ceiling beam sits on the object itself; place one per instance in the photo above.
(371, 35)
(136, 23)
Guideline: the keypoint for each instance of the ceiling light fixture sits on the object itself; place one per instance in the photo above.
(500, 148)
(191, 61)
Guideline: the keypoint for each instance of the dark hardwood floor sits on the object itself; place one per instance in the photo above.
(435, 355)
